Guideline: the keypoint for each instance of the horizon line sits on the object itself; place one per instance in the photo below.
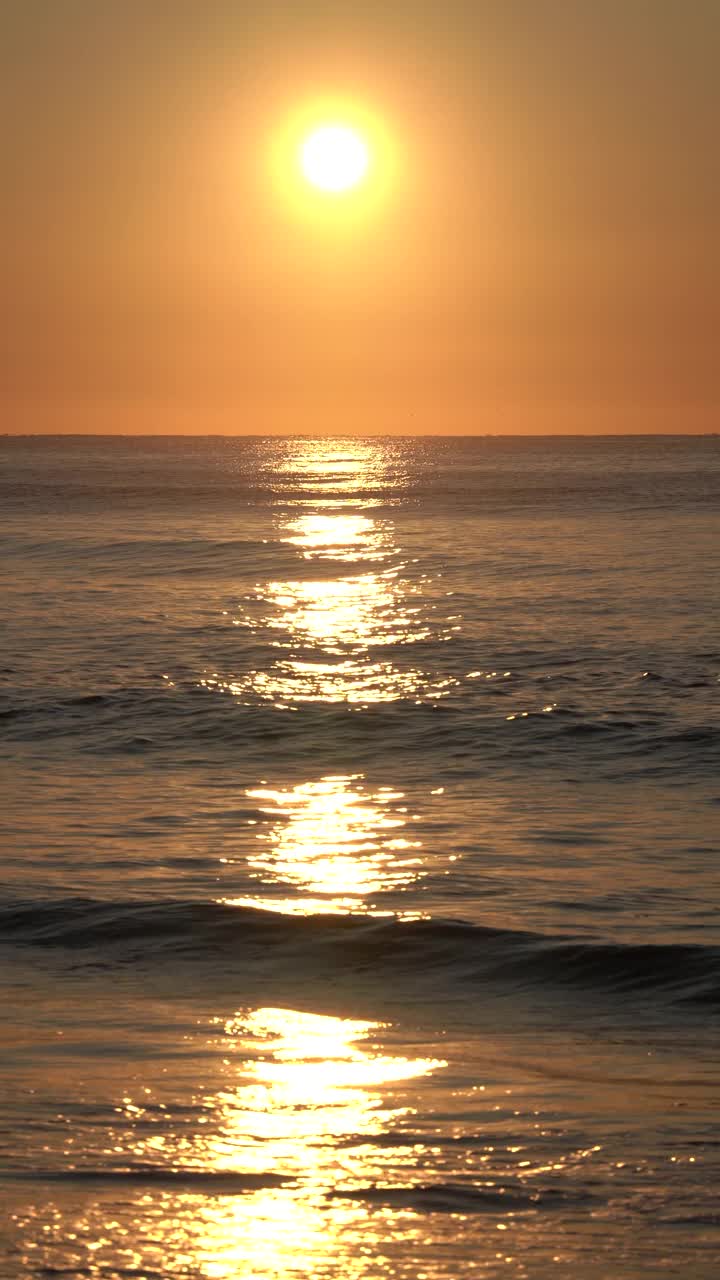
(340, 435)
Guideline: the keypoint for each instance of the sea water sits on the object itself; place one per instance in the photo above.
(360, 810)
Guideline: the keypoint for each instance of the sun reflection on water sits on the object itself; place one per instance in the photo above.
(311, 1076)
(302, 1096)
(359, 684)
(343, 615)
(328, 467)
(335, 842)
(339, 536)
(340, 631)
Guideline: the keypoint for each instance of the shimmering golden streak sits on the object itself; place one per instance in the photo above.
(337, 843)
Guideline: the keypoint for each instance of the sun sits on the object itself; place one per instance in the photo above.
(334, 158)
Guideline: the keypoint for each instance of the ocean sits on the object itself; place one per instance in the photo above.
(360, 881)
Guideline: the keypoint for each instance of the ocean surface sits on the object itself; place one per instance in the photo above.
(360, 807)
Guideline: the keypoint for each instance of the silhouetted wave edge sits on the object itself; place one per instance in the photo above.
(152, 931)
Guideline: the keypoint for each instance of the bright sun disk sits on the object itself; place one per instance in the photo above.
(334, 158)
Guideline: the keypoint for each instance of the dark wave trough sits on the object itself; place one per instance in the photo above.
(417, 950)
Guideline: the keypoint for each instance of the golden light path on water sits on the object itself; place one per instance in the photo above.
(328, 624)
(339, 536)
(303, 1096)
(309, 1092)
(334, 841)
(343, 614)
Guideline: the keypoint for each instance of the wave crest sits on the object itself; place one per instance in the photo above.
(416, 951)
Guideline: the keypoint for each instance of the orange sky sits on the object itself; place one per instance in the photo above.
(537, 252)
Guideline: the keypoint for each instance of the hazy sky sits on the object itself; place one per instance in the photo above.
(538, 250)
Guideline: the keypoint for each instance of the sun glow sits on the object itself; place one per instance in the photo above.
(334, 158)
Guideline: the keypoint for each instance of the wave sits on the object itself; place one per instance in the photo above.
(412, 951)
(186, 717)
(459, 1197)
(143, 558)
(440, 1197)
(210, 1182)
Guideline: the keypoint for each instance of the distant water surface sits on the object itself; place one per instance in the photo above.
(360, 882)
